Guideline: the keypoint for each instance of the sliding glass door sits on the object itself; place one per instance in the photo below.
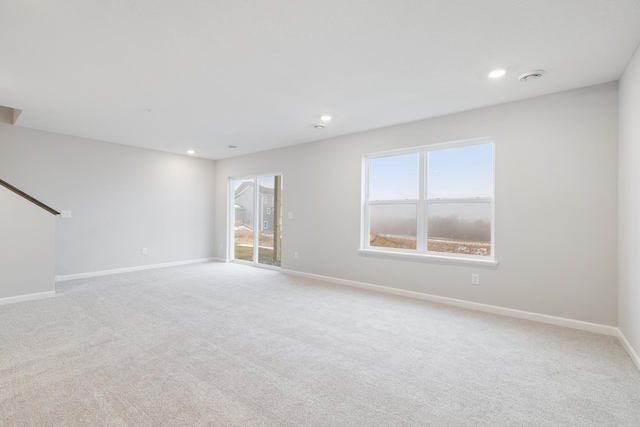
(256, 219)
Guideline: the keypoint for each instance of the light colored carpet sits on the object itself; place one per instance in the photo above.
(231, 345)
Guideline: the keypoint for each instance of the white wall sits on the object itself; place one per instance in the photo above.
(121, 198)
(629, 210)
(556, 205)
(26, 247)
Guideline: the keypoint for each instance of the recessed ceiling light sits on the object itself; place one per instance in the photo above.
(498, 72)
(325, 118)
(318, 126)
(191, 152)
(531, 76)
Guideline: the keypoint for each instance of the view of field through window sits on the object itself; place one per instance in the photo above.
(457, 202)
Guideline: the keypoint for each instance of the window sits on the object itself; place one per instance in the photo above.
(434, 200)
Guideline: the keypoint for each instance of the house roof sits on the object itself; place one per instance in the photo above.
(248, 184)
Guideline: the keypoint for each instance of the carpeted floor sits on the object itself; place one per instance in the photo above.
(231, 345)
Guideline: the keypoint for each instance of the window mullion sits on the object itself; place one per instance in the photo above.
(257, 225)
(366, 208)
(462, 200)
(393, 202)
(422, 205)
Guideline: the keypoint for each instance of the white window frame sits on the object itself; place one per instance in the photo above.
(421, 252)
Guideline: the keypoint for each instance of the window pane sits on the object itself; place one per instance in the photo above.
(269, 236)
(460, 172)
(461, 228)
(243, 219)
(393, 226)
(394, 177)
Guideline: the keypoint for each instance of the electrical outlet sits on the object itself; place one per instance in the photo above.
(65, 214)
(475, 279)
(296, 255)
(144, 251)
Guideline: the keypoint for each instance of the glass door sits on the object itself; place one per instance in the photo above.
(269, 235)
(256, 219)
(244, 221)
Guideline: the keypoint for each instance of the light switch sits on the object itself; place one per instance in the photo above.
(290, 215)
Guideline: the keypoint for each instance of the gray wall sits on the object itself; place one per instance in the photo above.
(556, 205)
(629, 213)
(121, 198)
(26, 247)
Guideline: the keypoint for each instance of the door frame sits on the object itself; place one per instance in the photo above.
(256, 218)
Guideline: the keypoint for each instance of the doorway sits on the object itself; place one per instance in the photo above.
(256, 220)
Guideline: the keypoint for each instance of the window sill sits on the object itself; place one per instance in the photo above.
(429, 258)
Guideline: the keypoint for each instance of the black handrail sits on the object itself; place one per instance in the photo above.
(28, 197)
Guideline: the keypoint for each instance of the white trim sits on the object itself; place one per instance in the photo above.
(428, 257)
(28, 297)
(552, 320)
(130, 269)
(433, 147)
(627, 346)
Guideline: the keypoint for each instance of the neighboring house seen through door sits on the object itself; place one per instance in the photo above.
(256, 226)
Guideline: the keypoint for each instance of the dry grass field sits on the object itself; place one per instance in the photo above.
(459, 247)
(435, 245)
(244, 236)
(392, 241)
(243, 239)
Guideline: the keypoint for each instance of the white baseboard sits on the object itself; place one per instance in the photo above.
(627, 346)
(553, 320)
(67, 277)
(28, 297)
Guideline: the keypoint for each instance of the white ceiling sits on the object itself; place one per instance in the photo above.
(205, 74)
